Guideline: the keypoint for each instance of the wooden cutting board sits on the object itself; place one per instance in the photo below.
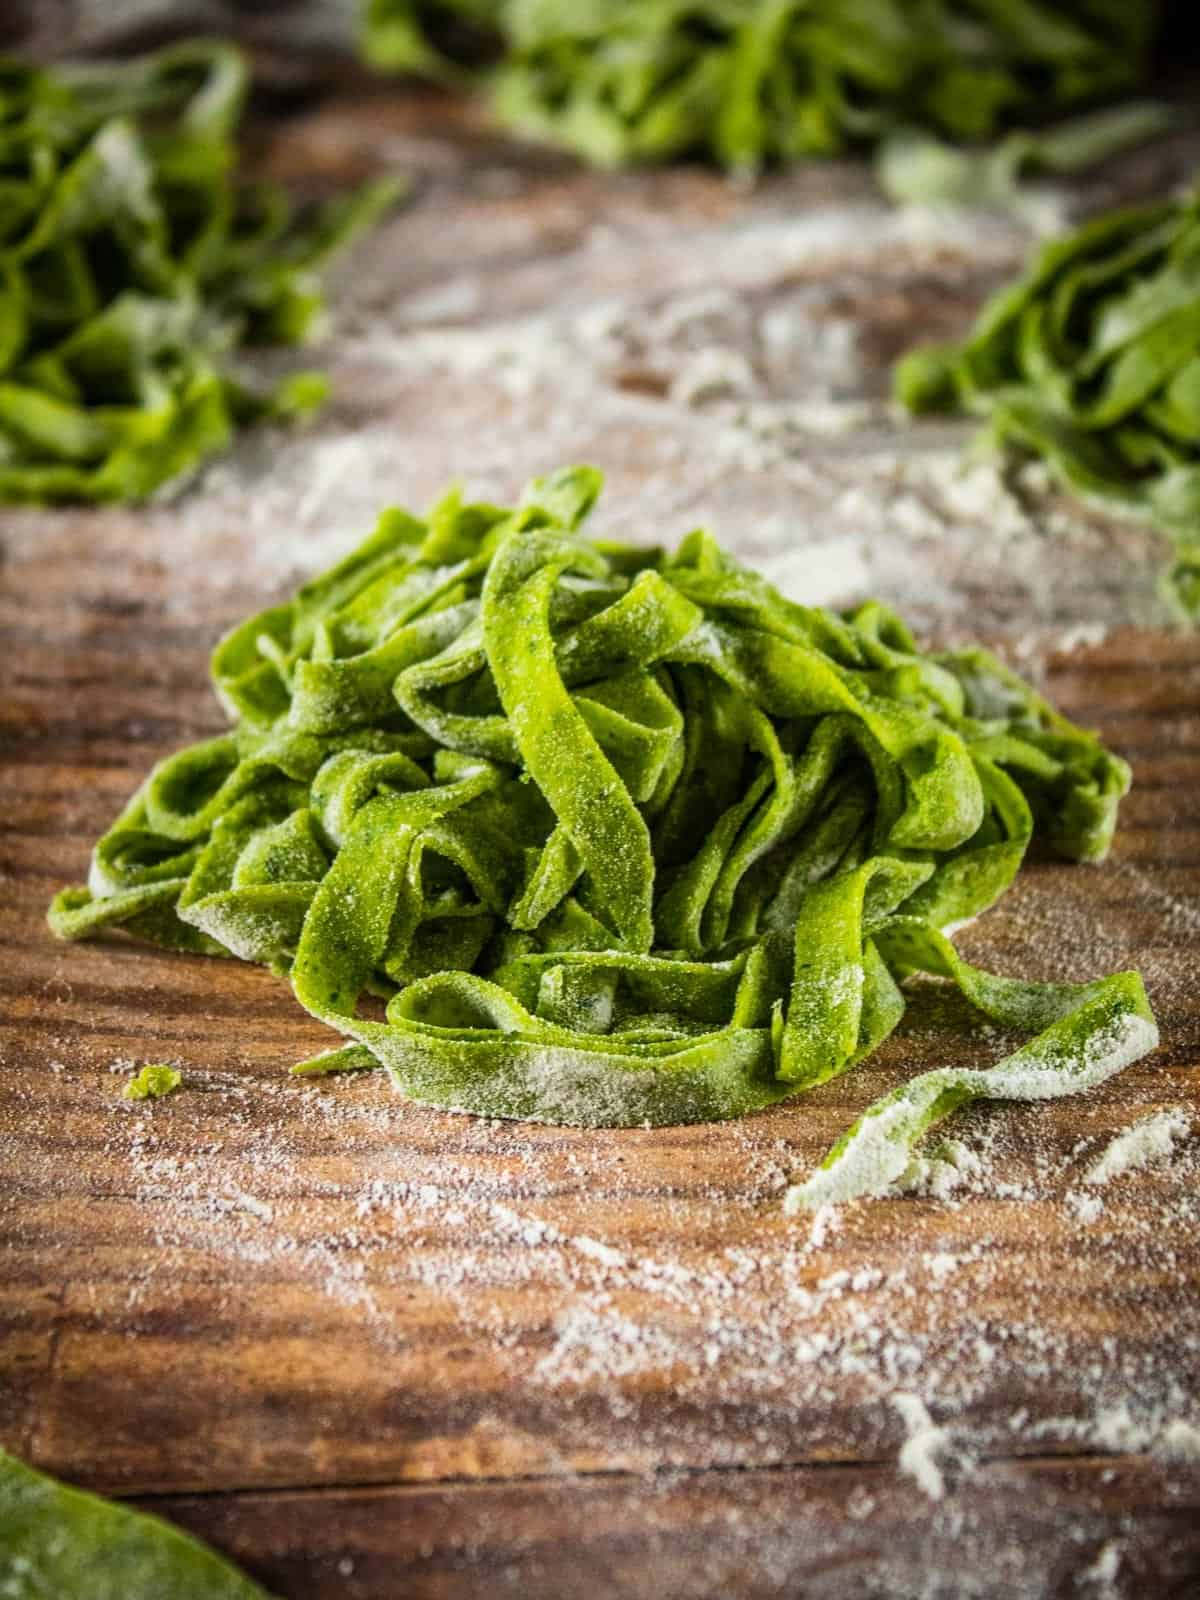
(372, 1350)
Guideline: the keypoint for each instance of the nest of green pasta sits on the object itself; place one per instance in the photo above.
(135, 264)
(751, 81)
(619, 836)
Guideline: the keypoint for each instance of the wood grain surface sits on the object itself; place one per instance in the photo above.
(370, 1349)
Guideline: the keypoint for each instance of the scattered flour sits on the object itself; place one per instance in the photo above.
(1179, 1440)
(639, 1294)
(1104, 1569)
(946, 1168)
(925, 1448)
(1150, 1140)
(1088, 1208)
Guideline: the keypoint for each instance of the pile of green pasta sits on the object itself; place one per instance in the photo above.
(751, 81)
(620, 837)
(134, 265)
(62, 1542)
(1092, 361)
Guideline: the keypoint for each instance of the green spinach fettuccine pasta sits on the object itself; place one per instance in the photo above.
(133, 266)
(617, 836)
(1092, 362)
(751, 81)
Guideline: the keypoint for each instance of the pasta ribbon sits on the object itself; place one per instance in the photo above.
(56, 1540)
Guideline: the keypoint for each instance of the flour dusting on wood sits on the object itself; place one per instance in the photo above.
(1150, 1140)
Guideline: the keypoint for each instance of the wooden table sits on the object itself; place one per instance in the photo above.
(371, 1350)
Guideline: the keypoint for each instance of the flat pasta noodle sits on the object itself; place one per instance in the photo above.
(1091, 361)
(747, 82)
(134, 266)
(616, 836)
